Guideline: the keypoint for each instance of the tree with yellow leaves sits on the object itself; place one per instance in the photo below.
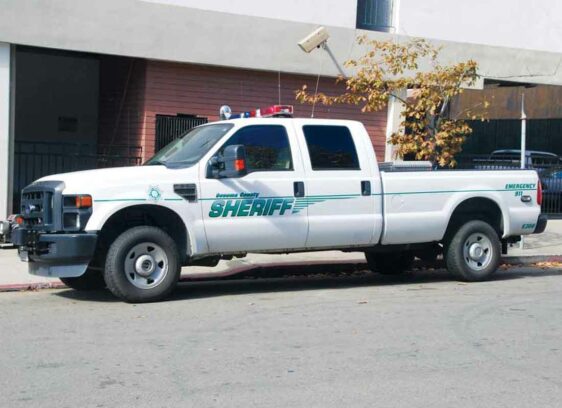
(427, 130)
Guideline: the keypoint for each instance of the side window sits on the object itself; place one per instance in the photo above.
(331, 148)
(267, 147)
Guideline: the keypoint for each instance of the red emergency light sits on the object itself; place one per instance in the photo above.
(274, 111)
(277, 111)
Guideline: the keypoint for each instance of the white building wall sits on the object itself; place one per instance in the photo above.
(505, 23)
(532, 25)
(5, 142)
(336, 13)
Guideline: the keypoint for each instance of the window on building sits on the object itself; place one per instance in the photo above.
(375, 15)
(331, 148)
(267, 147)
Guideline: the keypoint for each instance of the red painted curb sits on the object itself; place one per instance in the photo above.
(15, 287)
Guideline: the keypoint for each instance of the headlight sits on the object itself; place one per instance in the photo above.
(78, 201)
(76, 211)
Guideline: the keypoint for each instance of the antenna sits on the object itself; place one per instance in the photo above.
(279, 86)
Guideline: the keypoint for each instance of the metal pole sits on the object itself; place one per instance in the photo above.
(338, 66)
(523, 131)
(523, 144)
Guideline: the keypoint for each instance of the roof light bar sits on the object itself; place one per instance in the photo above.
(274, 111)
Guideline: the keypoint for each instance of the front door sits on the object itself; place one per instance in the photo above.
(256, 212)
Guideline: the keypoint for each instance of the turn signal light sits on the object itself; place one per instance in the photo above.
(239, 164)
(83, 201)
(19, 220)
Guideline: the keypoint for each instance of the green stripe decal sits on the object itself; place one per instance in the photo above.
(118, 199)
(454, 191)
(314, 199)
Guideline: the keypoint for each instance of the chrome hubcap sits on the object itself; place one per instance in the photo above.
(146, 265)
(477, 251)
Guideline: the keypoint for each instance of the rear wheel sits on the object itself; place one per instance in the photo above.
(91, 280)
(390, 263)
(142, 265)
(473, 252)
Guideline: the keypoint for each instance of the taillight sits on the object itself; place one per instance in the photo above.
(539, 193)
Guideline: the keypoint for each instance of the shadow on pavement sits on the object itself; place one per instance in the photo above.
(292, 282)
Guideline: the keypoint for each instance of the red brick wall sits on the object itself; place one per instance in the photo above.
(173, 88)
(169, 88)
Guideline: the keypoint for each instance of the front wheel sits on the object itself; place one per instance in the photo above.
(473, 253)
(142, 265)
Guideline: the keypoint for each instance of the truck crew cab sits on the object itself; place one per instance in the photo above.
(266, 185)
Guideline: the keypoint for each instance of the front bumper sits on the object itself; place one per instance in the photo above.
(541, 224)
(56, 255)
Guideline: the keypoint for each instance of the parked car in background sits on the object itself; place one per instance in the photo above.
(534, 159)
(551, 180)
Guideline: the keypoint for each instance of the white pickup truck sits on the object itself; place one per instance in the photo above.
(267, 185)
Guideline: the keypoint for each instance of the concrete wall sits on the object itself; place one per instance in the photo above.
(5, 139)
(173, 33)
(335, 13)
(534, 25)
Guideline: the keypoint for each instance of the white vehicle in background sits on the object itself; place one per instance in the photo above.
(266, 185)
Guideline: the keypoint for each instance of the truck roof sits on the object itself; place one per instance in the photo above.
(316, 121)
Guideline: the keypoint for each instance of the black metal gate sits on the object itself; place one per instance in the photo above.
(34, 160)
(169, 128)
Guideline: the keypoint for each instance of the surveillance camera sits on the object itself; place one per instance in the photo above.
(314, 39)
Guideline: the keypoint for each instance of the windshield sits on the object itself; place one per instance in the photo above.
(188, 150)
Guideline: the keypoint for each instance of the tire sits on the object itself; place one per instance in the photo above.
(473, 253)
(91, 280)
(142, 265)
(390, 263)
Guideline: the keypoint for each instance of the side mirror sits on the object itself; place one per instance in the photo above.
(232, 163)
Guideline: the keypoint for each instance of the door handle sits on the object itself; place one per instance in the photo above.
(366, 188)
(298, 188)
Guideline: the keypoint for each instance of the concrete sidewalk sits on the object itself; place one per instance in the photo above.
(536, 248)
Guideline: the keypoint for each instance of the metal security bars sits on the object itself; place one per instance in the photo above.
(169, 128)
(34, 160)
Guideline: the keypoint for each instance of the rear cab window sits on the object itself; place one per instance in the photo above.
(267, 147)
(330, 148)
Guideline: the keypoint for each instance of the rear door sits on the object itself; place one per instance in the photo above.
(255, 212)
(343, 190)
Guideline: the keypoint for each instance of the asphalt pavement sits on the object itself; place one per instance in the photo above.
(357, 340)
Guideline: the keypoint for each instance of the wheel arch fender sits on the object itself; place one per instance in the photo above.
(483, 207)
(123, 217)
